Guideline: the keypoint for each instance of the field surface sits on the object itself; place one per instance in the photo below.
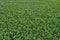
(29, 19)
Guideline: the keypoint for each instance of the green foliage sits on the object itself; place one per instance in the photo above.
(29, 20)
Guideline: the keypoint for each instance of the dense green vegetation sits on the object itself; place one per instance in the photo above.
(29, 19)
